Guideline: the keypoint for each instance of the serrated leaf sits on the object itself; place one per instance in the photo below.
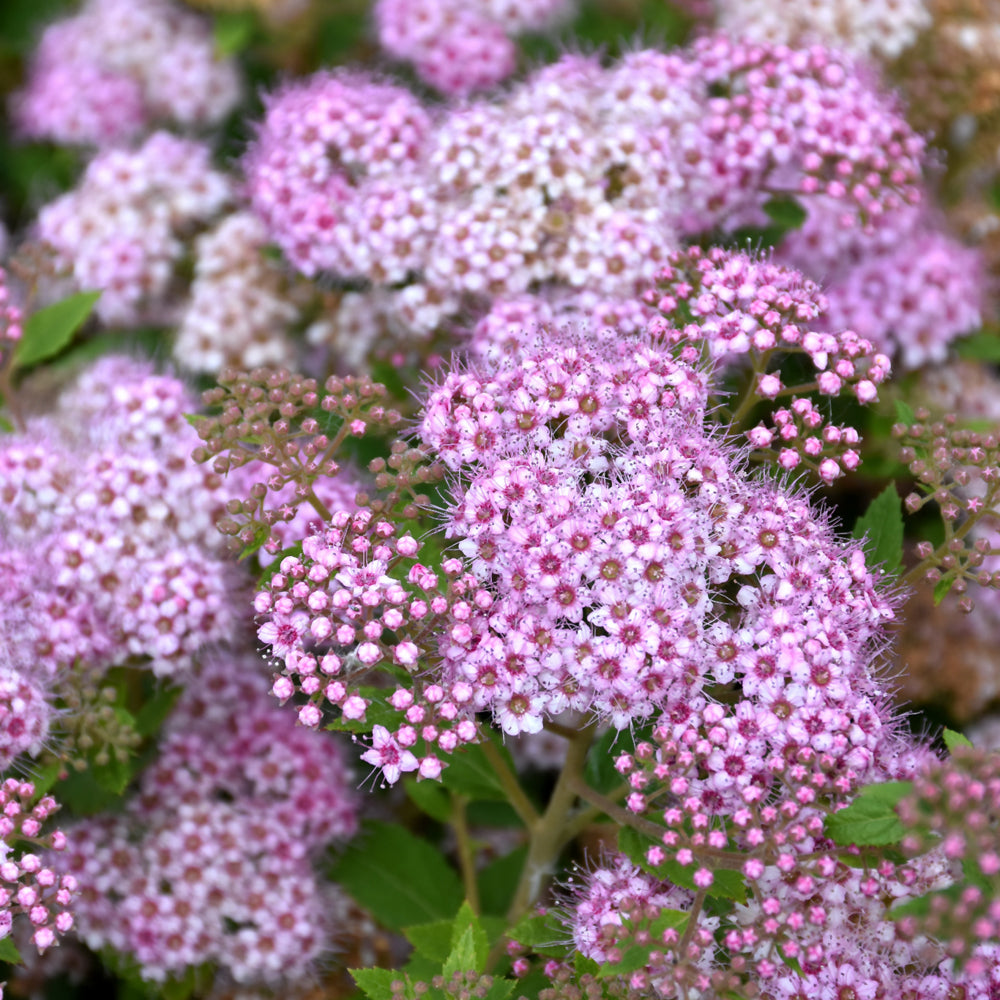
(431, 940)
(881, 529)
(785, 212)
(9, 952)
(398, 877)
(501, 989)
(467, 932)
(871, 819)
(954, 740)
(49, 330)
(904, 413)
(113, 776)
(43, 778)
(541, 932)
(430, 797)
(375, 983)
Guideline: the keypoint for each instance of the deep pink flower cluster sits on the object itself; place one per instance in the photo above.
(108, 529)
(741, 306)
(122, 229)
(121, 66)
(461, 47)
(211, 860)
(28, 885)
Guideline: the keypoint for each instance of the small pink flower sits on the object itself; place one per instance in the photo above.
(387, 754)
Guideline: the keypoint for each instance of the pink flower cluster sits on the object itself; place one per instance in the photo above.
(27, 885)
(120, 66)
(461, 47)
(756, 308)
(11, 318)
(122, 229)
(108, 530)
(610, 525)
(211, 860)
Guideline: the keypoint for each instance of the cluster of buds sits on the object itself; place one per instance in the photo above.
(958, 471)
(282, 432)
(27, 886)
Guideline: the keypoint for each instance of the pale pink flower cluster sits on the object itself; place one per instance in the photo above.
(459, 47)
(123, 229)
(110, 527)
(120, 67)
(211, 861)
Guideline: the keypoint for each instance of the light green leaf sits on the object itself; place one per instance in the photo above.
(49, 330)
(953, 740)
(469, 943)
(431, 940)
(233, 31)
(463, 955)
(881, 527)
(375, 983)
(871, 819)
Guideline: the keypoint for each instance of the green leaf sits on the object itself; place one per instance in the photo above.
(430, 797)
(261, 533)
(375, 983)
(502, 988)
(871, 819)
(498, 881)
(953, 740)
(398, 877)
(785, 212)
(904, 413)
(791, 961)
(113, 776)
(599, 770)
(378, 713)
(469, 773)
(981, 346)
(542, 933)
(469, 943)
(431, 940)
(152, 715)
(233, 31)
(881, 528)
(43, 778)
(637, 956)
(9, 952)
(49, 330)
(942, 589)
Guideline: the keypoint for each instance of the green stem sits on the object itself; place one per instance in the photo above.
(508, 781)
(466, 850)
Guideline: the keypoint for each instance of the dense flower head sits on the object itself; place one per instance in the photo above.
(914, 300)
(25, 715)
(121, 66)
(609, 524)
(121, 230)
(319, 143)
(211, 860)
(461, 47)
(241, 307)
(882, 28)
(120, 524)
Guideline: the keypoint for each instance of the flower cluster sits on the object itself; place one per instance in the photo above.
(241, 306)
(122, 229)
(120, 66)
(211, 860)
(27, 884)
(462, 47)
(109, 529)
(741, 307)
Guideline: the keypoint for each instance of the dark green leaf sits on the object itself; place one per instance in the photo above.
(43, 778)
(261, 533)
(375, 983)
(637, 956)
(785, 212)
(791, 961)
(871, 819)
(113, 776)
(881, 527)
(9, 952)
(498, 881)
(156, 709)
(981, 346)
(430, 797)
(398, 877)
(502, 988)
(953, 740)
(49, 330)
(600, 770)
(470, 773)
(379, 713)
